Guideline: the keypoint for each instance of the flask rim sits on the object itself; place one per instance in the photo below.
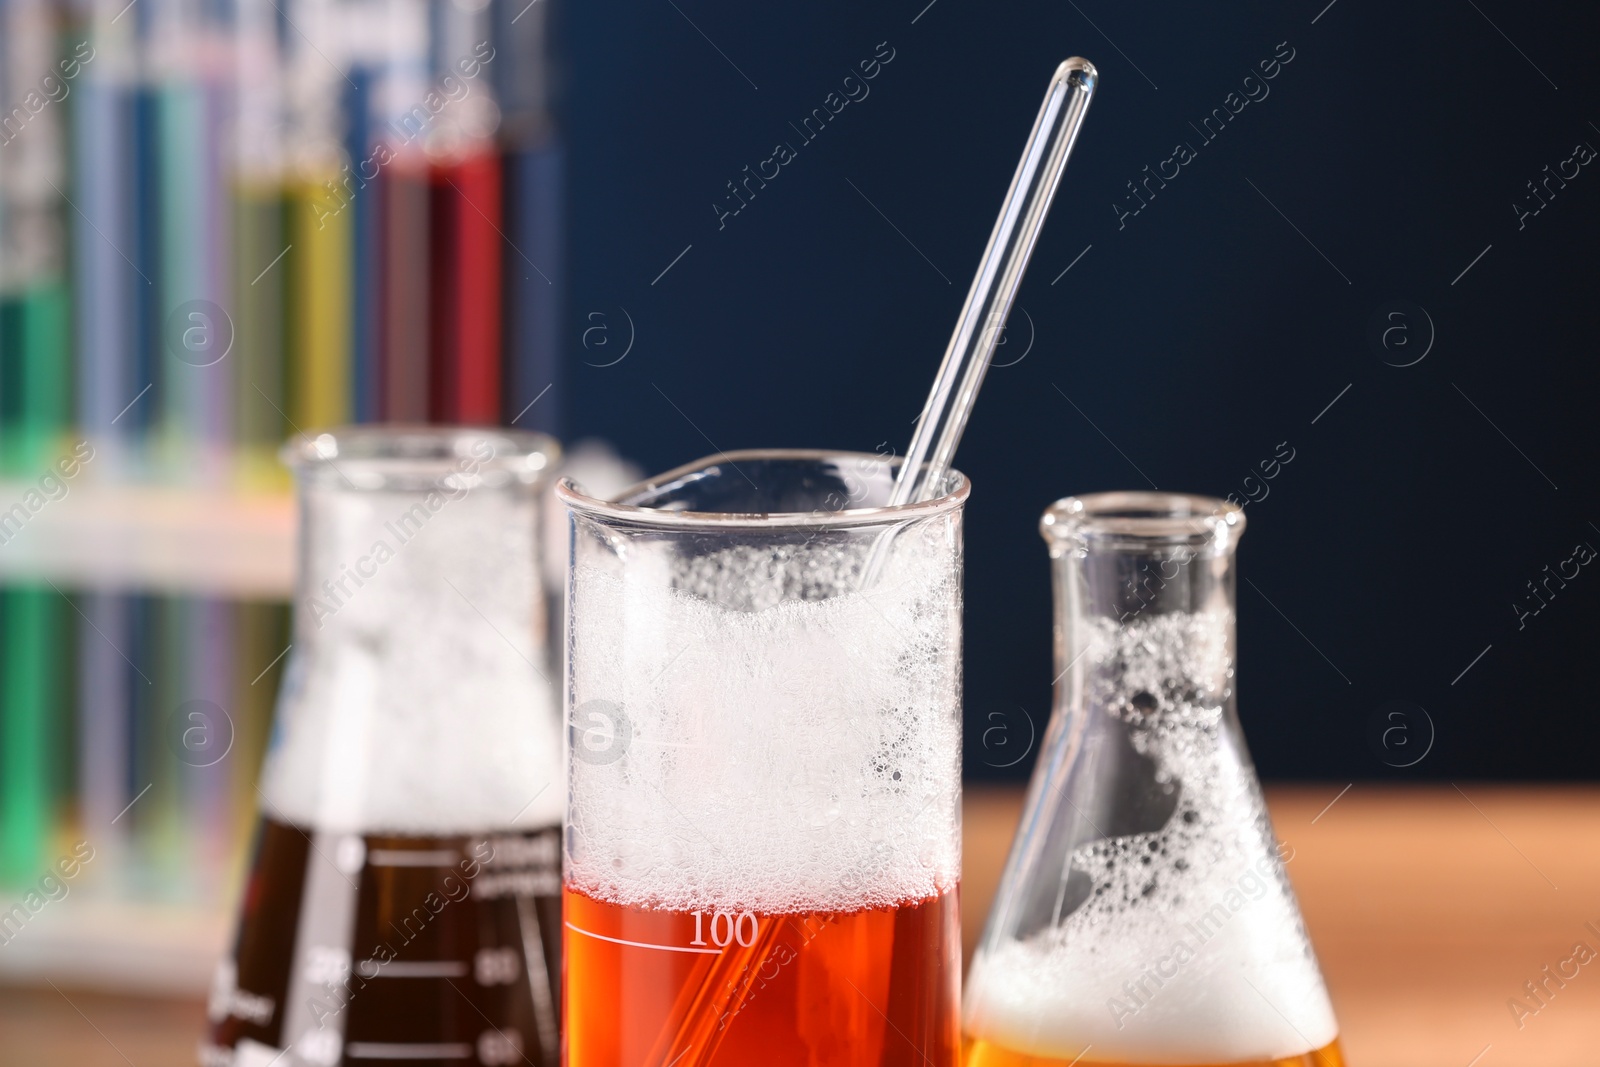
(1134, 519)
(614, 512)
(402, 457)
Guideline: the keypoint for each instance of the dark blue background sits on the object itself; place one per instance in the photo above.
(1196, 338)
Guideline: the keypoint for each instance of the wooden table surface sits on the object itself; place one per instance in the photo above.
(1430, 908)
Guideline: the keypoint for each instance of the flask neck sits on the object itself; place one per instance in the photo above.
(428, 522)
(1144, 577)
(1122, 585)
(439, 557)
(1124, 560)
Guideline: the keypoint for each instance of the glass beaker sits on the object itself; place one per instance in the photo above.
(404, 898)
(1144, 916)
(763, 832)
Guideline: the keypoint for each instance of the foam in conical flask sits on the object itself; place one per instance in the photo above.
(1144, 916)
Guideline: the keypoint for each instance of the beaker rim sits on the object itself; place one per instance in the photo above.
(1131, 518)
(573, 496)
(405, 457)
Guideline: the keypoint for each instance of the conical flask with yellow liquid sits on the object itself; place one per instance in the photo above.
(1144, 916)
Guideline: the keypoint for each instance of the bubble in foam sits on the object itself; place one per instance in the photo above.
(420, 704)
(1188, 946)
(794, 743)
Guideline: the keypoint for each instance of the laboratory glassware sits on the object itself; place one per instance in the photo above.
(1144, 916)
(403, 902)
(763, 837)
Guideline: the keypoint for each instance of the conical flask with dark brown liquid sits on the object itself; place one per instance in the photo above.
(1144, 916)
(404, 899)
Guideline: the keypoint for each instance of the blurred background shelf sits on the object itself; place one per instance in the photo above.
(107, 537)
(215, 233)
(111, 944)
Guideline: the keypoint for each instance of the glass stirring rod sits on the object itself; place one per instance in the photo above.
(983, 316)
